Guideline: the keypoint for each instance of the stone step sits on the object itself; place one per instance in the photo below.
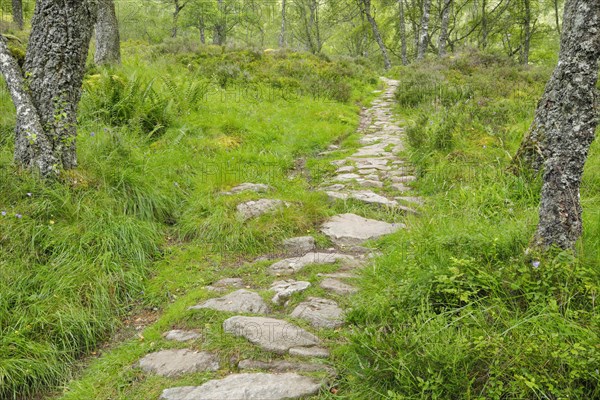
(320, 313)
(283, 366)
(171, 363)
(240, 301)
(259, 385)
(270, 334)
(352, 229)
(290, 266)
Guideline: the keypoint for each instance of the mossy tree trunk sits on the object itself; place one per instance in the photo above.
(108, 43)
(564, 126)
(17, 13)
(46, 94)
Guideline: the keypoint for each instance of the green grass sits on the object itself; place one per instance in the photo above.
(138, 226)
(455, 307)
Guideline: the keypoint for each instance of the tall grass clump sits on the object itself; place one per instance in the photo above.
(457, 307)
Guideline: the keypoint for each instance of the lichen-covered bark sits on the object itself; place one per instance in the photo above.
(366, 9)
(108, 43)
(40, 154)
(424, 34)
(17, 13)
(54, 68)
(565, 124)
(444, 28)
(402, 29)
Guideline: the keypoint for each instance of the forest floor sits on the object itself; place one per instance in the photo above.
(238, 214)
(265, 329)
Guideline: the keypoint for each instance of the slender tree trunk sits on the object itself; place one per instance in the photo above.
(484, 25)
(108, 44)
(366, 9)
(557, 16)
(220, 28)
(565, 124)
(178, 7)
(424, 35)
(282, 32)
(444, 28)
(527, 32)
(47, 100)
(202, 29)
(17, 13)
(402, 29)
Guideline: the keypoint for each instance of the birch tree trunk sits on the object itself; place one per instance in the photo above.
(527, 32)
(17, 13)
(402, 28)
(444, 28)
(108, 43)
(424, 34)
(220, 28)
(366, 9)
(282, 32)
(557, 16)
(47, 99)
(565, 124)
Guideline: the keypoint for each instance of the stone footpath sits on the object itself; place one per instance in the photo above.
(369, 176)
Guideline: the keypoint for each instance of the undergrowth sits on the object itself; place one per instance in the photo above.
(456, 307)
(158, 137)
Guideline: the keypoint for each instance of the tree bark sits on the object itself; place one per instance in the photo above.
(557, 16)
(17, 13)
(444, 28)
(527, 32)
(424, 34)
(282, 32)
(178, 7)
(108, 43)
(47, 94)
(402, 29)
(220, 28)
(484, 25)
(202, 29)
(366, 9)
(565, 124)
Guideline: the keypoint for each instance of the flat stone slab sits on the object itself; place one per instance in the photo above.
(365, 196)
(352, 229)
(172, 363)
(318, 352)
(249, 187)
(321, 313)
(282, 366)
(270, 334)
(289, 266)
(299, 245)
(240, 301)
(337, 286)
(248, 386)
(346, 177)
(256, 208)
(285, 289)
(179, 335)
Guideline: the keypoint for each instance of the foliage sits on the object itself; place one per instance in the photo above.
(80, 254)
(455, 307)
